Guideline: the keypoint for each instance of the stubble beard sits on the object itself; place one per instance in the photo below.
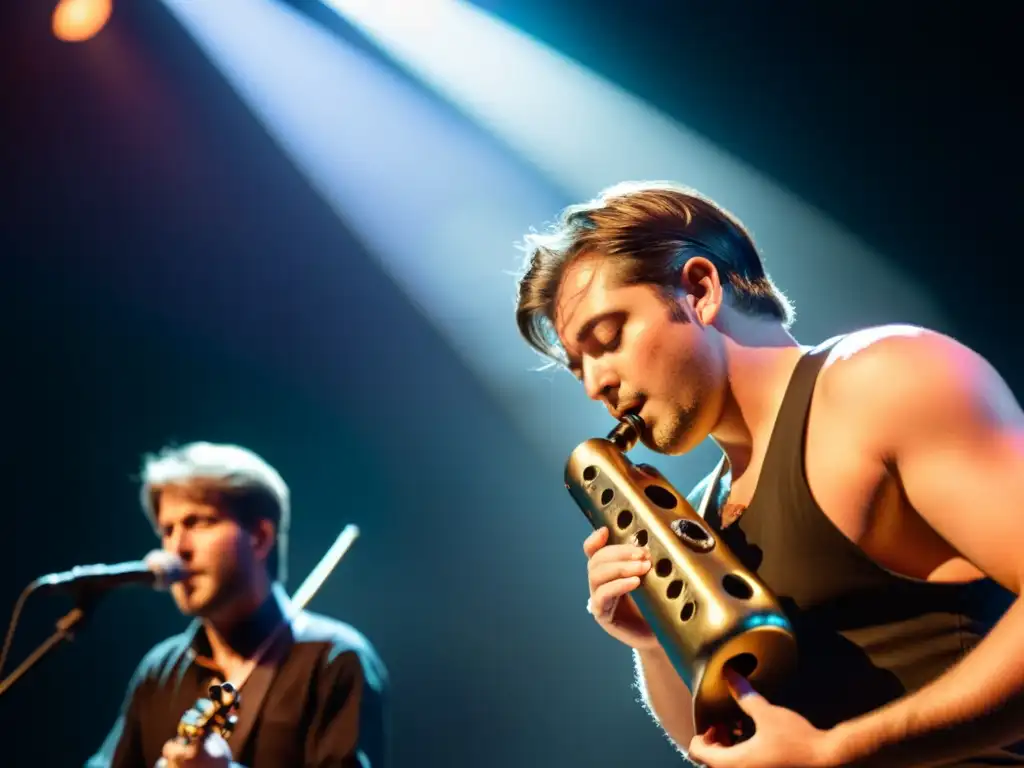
(220, 597)
(672, 434)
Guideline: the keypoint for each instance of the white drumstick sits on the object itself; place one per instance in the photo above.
(323, 569)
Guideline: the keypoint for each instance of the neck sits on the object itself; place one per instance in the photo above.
(235, 632)
(760, 358)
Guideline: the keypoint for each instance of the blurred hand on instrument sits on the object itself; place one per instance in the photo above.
(782, 738)
(213, 752)
(614, 571)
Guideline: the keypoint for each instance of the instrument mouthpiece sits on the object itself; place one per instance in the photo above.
(627, 432)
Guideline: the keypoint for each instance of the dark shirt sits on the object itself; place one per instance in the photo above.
(326, 706)
(866, 635)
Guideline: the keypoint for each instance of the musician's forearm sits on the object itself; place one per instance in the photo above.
(976, 705)
(665, 695)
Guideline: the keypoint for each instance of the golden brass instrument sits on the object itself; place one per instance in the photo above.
(707, 611)
(215, 714)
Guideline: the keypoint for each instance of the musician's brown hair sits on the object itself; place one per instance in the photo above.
(649, 230)
(233, 479)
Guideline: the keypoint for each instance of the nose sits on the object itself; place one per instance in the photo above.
(600, 380)
(178, 542)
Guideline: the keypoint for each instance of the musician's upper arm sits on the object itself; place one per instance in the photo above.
(941, 417)
(104, 757)
(351, 727)
(122, 745)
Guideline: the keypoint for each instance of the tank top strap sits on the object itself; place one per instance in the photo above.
(791, 422)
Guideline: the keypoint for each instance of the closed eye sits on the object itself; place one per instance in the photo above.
(597, 336)
(613, 343)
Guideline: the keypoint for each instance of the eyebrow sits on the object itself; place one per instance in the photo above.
(211, 512)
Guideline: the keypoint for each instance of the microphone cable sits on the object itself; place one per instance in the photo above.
(15, 615)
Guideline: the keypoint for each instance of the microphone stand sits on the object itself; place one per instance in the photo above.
(65, 631)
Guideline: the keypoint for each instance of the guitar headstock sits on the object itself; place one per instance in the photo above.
(214, 714)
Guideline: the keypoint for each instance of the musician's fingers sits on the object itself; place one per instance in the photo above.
(719, 734)
(217, 746)
(620, 552)
(606, 597)
(596, 546)
(603, 573)
(175, 750)
(595, 541)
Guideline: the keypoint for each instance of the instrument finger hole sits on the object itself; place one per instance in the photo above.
(744, 664)
(737, 587)
(663, 497)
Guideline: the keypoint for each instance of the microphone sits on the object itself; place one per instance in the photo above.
(158, 570)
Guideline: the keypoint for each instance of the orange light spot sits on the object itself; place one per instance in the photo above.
(77, 20)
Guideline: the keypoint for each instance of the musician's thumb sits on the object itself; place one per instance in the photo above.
(217, 746)
(749, 700)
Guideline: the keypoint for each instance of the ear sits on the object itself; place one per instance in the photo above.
(700, 280)
(264, 536)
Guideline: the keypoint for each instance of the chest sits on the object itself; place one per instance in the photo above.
(280, 714)
(851, 491)
(832, 504)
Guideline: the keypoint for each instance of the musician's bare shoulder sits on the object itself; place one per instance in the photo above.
(881, 387)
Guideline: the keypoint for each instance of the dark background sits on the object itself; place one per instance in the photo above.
(163, 279)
